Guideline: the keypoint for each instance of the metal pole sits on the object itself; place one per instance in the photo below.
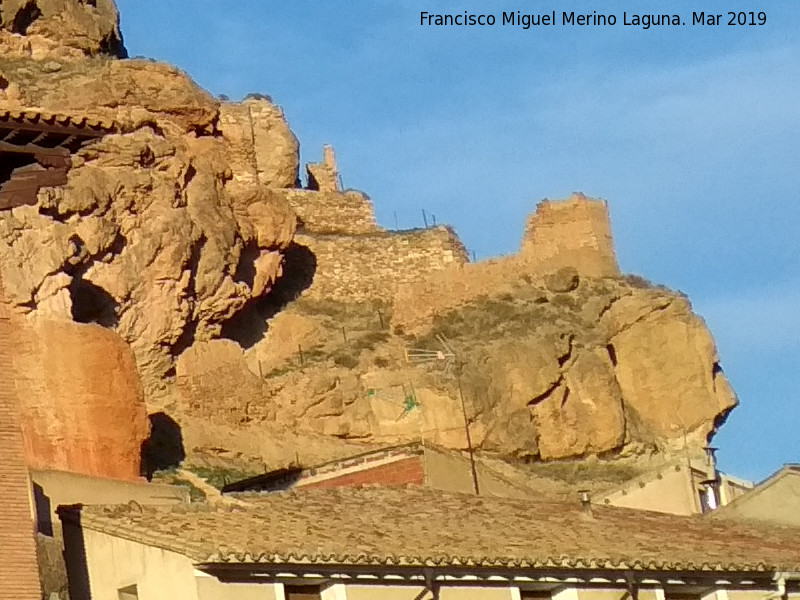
(469, 438)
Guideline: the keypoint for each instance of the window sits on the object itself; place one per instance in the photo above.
(129, 592)
(302, 592)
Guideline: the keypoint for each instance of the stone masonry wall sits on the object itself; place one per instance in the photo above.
(571, 233)
(355, 268)
(348, 212)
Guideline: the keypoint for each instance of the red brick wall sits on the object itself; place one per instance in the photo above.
(407, 471)
(19, 573)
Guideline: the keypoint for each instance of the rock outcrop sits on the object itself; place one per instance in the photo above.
(157, 234)
(70, 29)
(81, 402)
(178, 227)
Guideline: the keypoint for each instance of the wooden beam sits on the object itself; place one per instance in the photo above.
(25, 182)
(33, 149)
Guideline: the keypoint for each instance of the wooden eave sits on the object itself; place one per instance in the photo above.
(49, 140)
(39, 133)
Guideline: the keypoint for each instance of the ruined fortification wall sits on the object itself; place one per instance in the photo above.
(571, 233)
(348, 212)
(574, 233)
(418, 301)
(356, 268)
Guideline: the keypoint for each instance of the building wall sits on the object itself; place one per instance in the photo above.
(211, 588)
(19, 575)
(777, 503)
(54, 488)
(575, 232)
(406, 471)
(450, 471)
(358, 268)
(113, 563)
(668, 490)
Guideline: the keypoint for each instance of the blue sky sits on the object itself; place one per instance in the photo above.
(691, 133)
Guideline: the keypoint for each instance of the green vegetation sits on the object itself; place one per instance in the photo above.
(172, 477)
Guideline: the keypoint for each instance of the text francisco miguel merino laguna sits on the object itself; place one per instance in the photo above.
(645, 21)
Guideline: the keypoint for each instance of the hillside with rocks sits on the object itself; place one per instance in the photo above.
(275, 323)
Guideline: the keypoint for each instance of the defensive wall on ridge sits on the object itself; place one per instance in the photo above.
(424, 271)
(319, 212)
(574, 233)
(352, 258)
(356, 268)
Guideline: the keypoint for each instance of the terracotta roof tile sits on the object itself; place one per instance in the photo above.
(418, 527)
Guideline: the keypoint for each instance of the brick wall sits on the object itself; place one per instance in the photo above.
(575, 232)
(19, 573)
(406, 471)
(372, 267)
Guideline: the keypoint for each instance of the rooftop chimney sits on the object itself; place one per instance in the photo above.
(586, 501)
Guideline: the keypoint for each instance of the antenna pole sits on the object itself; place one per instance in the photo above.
(469, 438)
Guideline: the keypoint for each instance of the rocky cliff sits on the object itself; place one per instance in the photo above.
(267, 345)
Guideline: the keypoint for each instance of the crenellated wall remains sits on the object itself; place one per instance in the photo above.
(263, 150)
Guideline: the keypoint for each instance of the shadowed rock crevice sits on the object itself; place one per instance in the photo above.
(299, 267)
(612, 354)
(114, 45)
(246, 268)
(25, 18)
(164, 448)
(249, 326)
(92, 304)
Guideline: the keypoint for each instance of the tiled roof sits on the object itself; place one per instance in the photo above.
(420, 527)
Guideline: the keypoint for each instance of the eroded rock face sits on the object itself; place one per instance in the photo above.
(606, 369)
(146, 239)
(175, 226)
(81, 402)
(152, 236)
(60, 28)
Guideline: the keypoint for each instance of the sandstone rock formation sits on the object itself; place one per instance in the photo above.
(159, 232)
(179, 228)
(553, 364)
(81, 402)
(60, 28)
